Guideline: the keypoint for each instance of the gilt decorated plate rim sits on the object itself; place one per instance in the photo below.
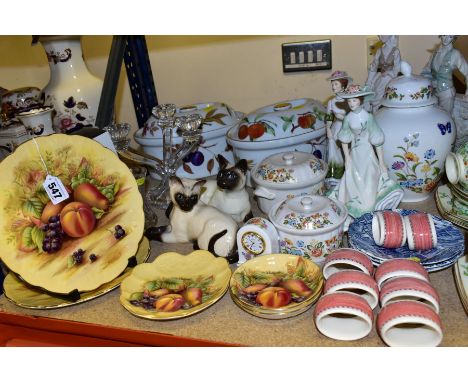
(38, 299)
(461, 280)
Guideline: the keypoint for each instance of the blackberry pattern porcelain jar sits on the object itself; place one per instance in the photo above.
(218, 118)
(418, 134)
(72, 90)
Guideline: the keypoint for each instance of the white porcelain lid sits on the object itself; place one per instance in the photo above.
(216, 115)
(409, 90)
(291, 168)
(280, 120)
(310, 213)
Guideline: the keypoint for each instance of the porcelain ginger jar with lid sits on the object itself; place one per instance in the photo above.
(285, 175)
(310, 226)
(418, 134)
(297, 124)
(218, 118)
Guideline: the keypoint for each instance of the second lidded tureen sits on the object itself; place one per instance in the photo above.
(285, 175)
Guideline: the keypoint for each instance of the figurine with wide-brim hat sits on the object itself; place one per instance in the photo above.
(338, 75)
(356, 91)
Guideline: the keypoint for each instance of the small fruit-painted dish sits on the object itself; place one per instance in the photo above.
(175, 286)
(82, 242)
(276, 286)
(26, 296)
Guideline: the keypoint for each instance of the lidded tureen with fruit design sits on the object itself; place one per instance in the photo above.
(310, 226)
(297, 124)
(218, 118)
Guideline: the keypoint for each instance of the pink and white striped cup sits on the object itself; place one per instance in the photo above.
(409, 289)
(343, 316)
(388, 229)
(355, 282)
(409, 323)
(343, 259)
(420, 231)
(399, 268)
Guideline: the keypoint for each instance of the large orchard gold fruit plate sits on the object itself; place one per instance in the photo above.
(72, 246)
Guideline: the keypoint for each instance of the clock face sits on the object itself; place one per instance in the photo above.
(253, 243)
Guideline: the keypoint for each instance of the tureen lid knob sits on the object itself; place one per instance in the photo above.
(288, 158)
(306, 202)
(406, 69)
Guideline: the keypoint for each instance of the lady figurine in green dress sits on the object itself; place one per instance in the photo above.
(440, 67)
(365, 185)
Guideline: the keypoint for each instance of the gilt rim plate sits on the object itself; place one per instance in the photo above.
(26, 296)
(460, 271)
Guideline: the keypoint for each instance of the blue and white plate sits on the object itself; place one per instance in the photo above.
(429, 267)
(450, 243)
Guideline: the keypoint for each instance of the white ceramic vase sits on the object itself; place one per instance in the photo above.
(72, 90)
(418, 135)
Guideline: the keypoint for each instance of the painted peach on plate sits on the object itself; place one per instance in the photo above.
(276, 286)
(72, 246)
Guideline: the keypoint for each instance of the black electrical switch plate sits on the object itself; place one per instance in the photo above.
(307, 55)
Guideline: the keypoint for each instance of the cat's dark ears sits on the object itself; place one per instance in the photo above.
(198, 185)
(175, 180)
(223, 163)
(242, 165)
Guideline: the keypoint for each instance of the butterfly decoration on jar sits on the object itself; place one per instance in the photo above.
(447, 128)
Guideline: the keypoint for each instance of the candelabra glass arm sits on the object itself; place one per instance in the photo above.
(141, 160)
(181, 153)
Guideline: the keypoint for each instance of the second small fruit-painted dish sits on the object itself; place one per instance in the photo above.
(276, 286)
(26, 296)
(175, 286)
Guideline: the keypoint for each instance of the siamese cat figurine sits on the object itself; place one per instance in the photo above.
(227, 193)
(192, 220)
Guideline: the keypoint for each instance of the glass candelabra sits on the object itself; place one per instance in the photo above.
(187, 127)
